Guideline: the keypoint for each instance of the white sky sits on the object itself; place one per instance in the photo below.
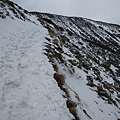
(102, 10)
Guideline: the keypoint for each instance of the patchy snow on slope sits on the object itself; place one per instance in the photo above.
(89, 104)
(27, 88)
(113, 68)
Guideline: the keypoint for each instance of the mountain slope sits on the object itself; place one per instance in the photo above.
(42, 53)
(27, 88)
(88, 54)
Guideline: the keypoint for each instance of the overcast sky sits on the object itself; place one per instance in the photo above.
(102, 10)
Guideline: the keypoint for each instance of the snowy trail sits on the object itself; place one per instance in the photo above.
(27, 88)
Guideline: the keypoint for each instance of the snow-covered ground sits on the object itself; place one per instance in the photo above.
(27, 88)
(89, 104)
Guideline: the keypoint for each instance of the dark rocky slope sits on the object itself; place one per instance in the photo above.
(92, 46)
